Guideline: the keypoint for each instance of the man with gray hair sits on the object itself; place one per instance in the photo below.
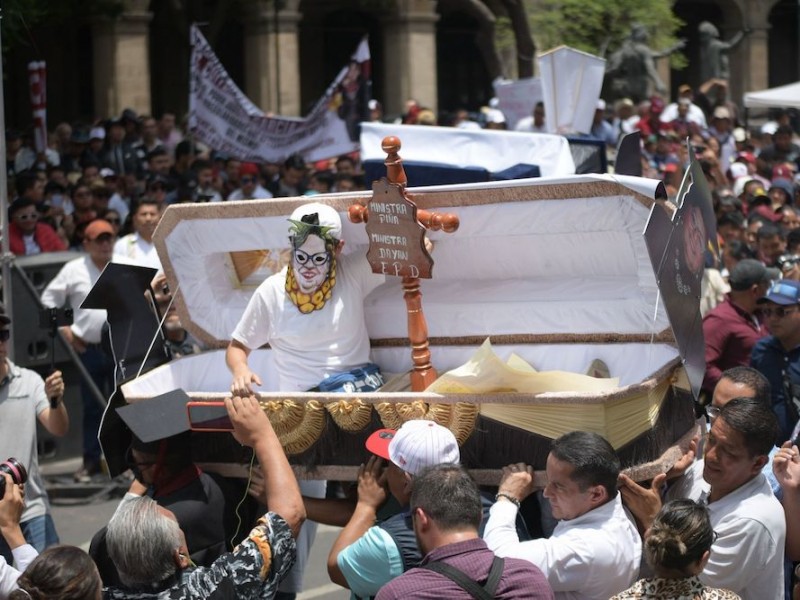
(149, 549)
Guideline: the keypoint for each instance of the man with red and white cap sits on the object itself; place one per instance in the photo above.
(366, 556)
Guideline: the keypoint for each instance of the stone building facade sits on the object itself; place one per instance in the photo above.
(284, 53)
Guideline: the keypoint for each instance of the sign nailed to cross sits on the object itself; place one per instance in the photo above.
(396, 230)
(396, 237)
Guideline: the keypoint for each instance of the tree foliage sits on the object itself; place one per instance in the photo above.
(600, 26)
(21, 16)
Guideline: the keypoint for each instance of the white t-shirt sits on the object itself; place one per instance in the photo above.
(593, 556)
(70, 287)
(308, 347)
(258, 193)
(138, 250)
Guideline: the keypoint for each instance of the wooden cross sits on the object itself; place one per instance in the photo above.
(396, 232)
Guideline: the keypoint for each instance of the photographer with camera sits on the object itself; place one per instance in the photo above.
(24, 399)
(11, 506)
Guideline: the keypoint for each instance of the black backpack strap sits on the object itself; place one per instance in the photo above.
(468, 584)
(495, 573)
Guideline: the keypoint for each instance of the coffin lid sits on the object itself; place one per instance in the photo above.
(534, 261)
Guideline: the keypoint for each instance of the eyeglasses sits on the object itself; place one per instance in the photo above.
(318, 259)
(713, 411)
(247, 179)
(28, 217)
(5, 335)
(778, 312)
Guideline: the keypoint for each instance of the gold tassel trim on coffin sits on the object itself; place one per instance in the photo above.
(458, 418)
(297, 425)
(350, 415)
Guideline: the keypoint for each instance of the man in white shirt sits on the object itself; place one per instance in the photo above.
(747, 557)
(138, 246)
(535, 122)
(70, 287)
(595, 549)
(695, 113)
(250, 182)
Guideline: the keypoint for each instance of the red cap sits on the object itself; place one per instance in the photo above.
(248, 168)
(378, 442)
(747, 157)
(782, 171)
(97, 228)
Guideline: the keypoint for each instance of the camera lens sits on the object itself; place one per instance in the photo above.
(16, 471)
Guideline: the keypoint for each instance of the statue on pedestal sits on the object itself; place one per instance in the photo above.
(714, 52)
(632, 66)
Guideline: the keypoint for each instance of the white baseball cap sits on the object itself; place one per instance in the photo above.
(416, 445)
(327, 215)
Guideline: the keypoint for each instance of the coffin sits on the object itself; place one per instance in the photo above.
(553, 270)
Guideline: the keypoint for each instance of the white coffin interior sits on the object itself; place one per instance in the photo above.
(559, 259)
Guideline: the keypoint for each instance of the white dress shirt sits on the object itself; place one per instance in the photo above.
(23, 556)
(747, 557)
(593, 556)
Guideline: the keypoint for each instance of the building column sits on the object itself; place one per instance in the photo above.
(272, 57)
(753, 53)
(122, 61)
(410, 55)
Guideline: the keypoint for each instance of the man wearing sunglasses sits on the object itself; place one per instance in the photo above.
(778, 355)
(24, 400)
(250, 185)
(26, 233)
(732, 328)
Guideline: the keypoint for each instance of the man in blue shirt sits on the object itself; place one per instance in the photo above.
(778, 355)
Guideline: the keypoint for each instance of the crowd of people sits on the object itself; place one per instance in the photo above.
(724, 522)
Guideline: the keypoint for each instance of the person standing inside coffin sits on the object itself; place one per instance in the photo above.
(70, 287)
(312, 315)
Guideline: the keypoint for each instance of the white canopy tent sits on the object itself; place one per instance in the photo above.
(785, 96)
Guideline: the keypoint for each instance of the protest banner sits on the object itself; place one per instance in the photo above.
(37, 78)
(517, 98)
(221, 116)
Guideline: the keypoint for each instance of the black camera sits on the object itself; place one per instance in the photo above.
(787, 262)
(53, 318)
(17, 472)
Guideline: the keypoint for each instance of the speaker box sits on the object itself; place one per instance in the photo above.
(33, 345)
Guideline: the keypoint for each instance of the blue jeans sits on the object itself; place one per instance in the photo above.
(39, 532)
(101, 369)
